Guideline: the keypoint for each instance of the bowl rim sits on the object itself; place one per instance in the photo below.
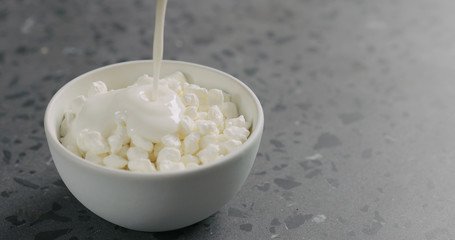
(255, 134)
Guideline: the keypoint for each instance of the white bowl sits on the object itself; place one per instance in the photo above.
(154, 201)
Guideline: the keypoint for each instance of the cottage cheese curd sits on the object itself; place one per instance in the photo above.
(182, 126)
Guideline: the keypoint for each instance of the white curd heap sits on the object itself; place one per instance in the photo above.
(184, 126)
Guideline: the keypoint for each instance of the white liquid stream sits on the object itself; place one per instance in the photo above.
(158, 43)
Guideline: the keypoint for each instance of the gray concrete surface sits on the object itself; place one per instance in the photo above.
(358, 99)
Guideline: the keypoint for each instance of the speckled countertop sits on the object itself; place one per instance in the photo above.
(358, 99)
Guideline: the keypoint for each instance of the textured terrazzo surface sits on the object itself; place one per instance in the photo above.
(357, 94)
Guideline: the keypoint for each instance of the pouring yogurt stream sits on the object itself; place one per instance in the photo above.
(158, 40)
(157, 111)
